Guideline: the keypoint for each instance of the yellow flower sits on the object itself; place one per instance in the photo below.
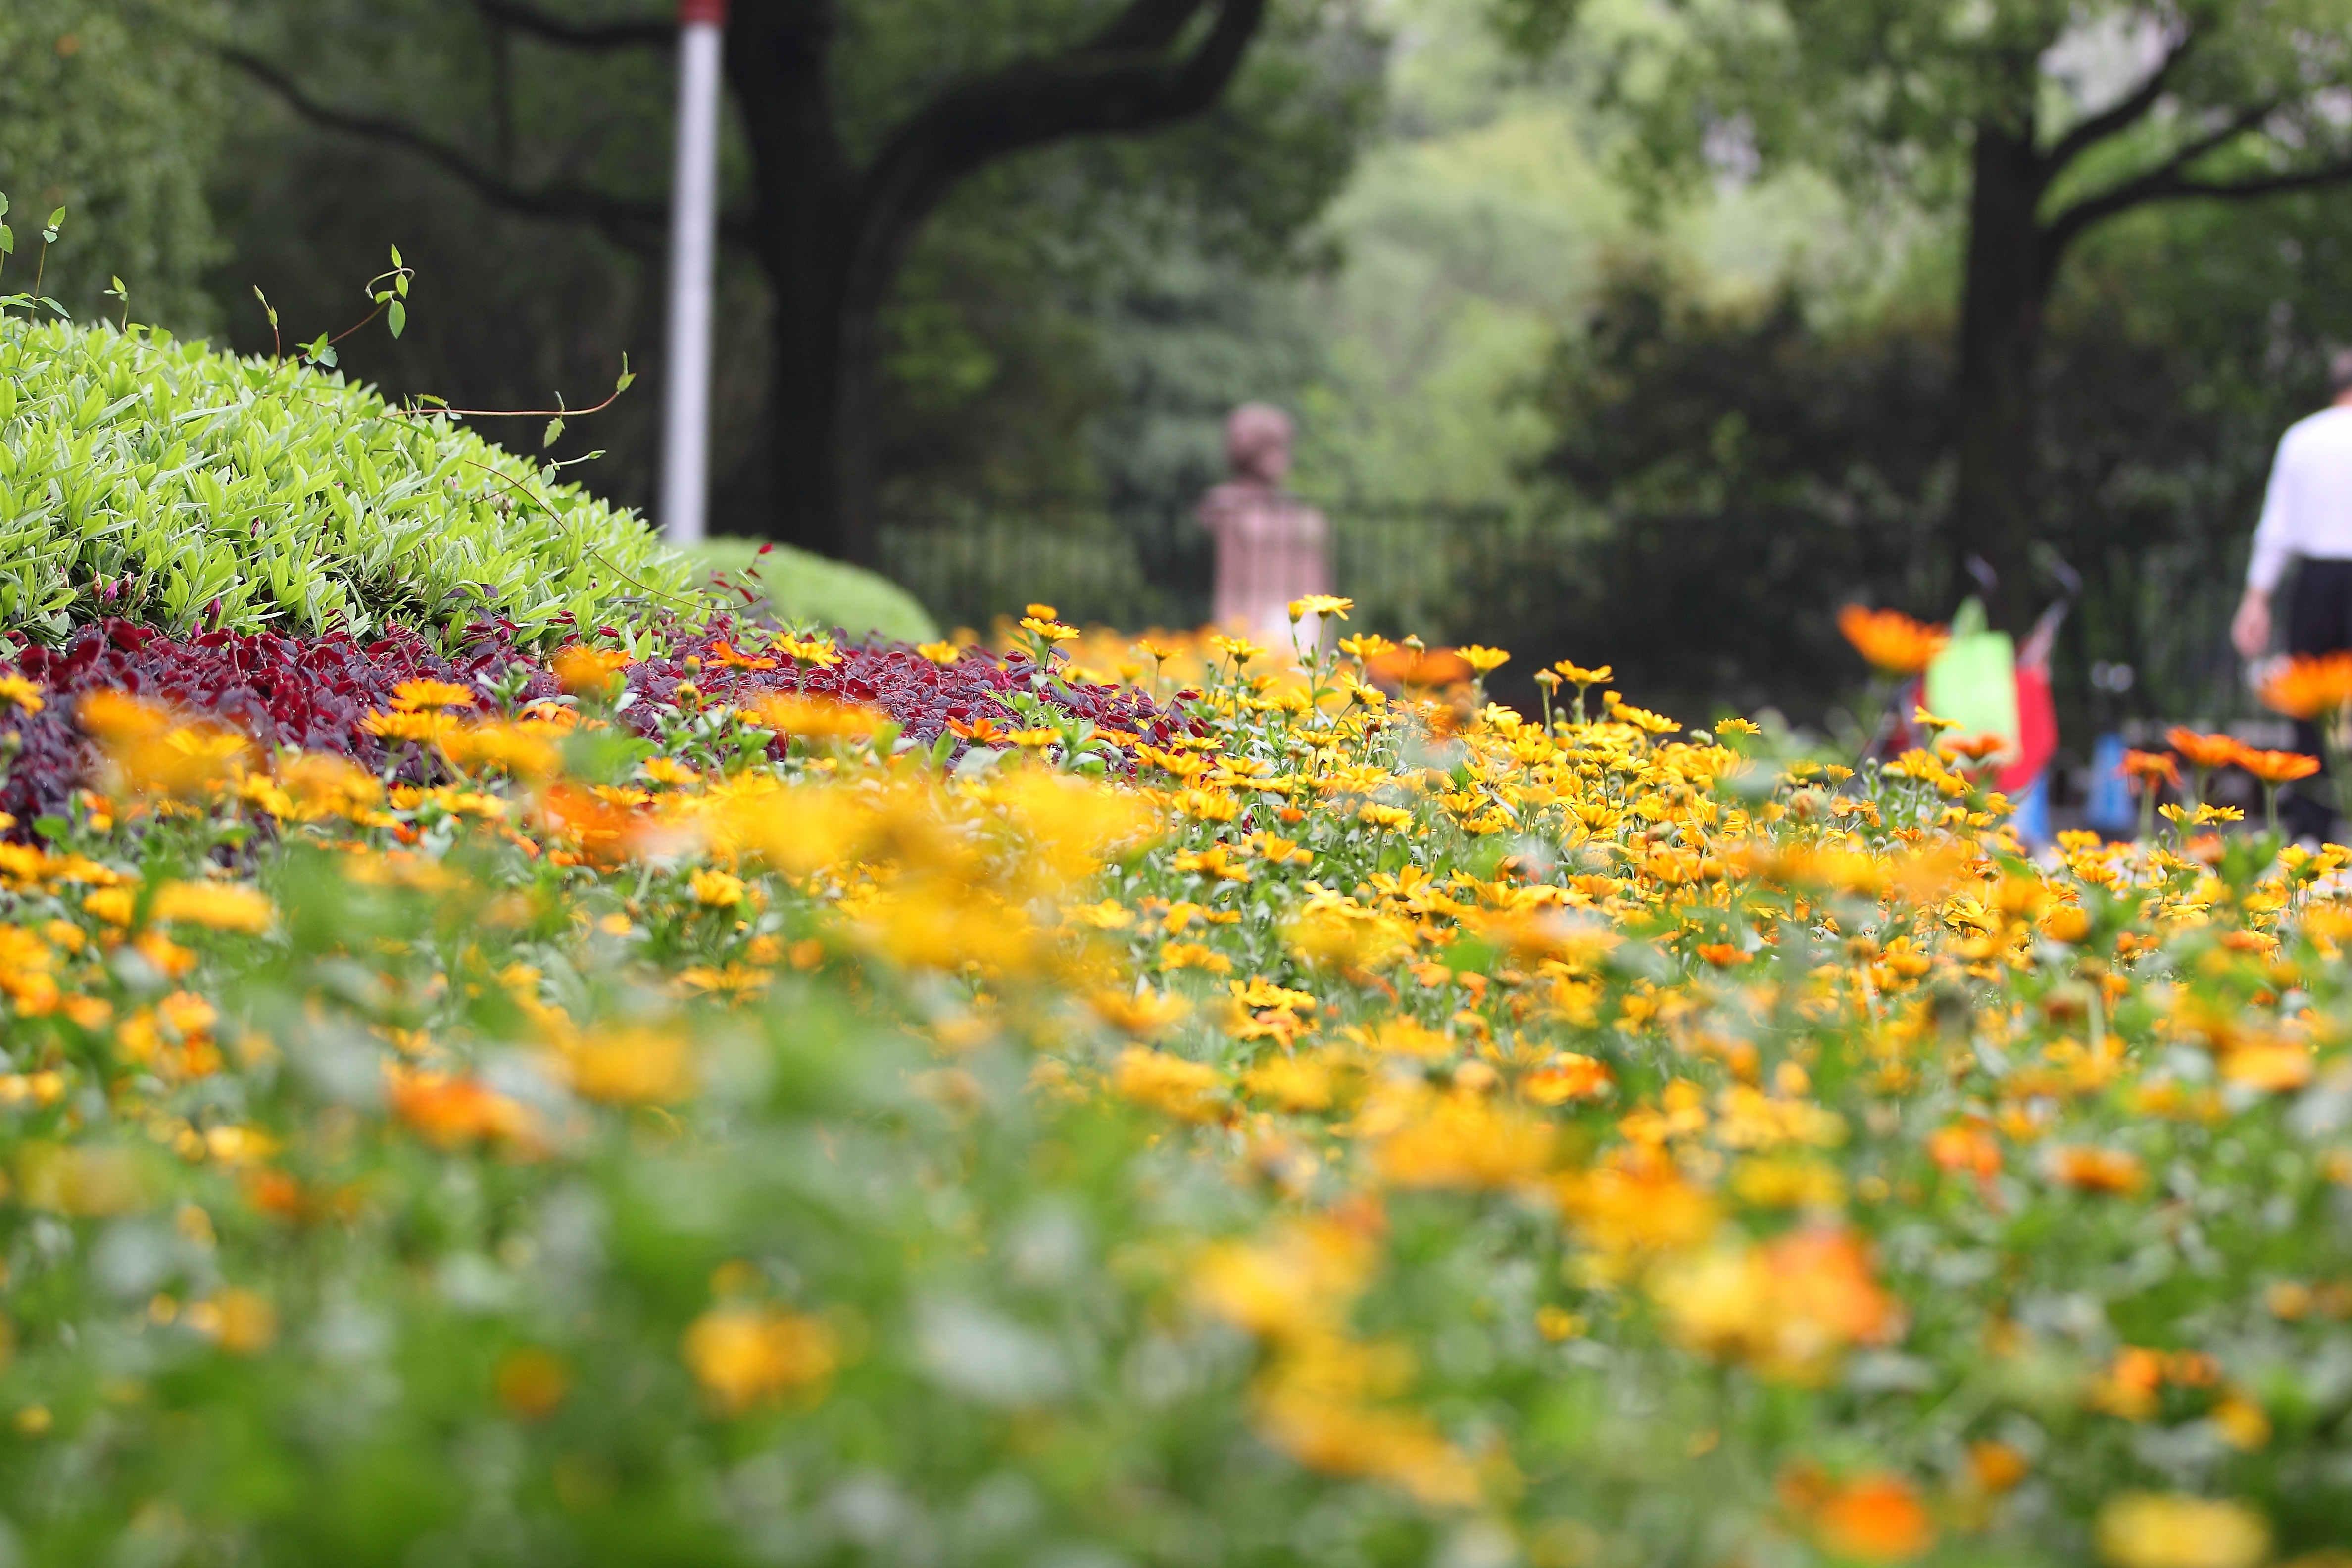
(716, 889)
(1241, 650)
(20, 694)
(940, 653)
(747, 1356)
(240, 1322)
(1319, 605)
(410, 696)
(1145, 1014)
(1463, 1141)
(222, 906)
(818, 718)
(1485, 660)
(631, 1066)
(1182, 1088)
(818, 651)
(2165, 1529)
(1790, 1306)
(586, 671)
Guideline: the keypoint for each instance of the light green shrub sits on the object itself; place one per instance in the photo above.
(161, 480)
(799, 587)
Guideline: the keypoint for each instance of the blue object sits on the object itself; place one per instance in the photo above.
(2107, 808)
(2029, 812)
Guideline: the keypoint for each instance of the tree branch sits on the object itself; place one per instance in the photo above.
(2121, 115)
(538, 23)
(631, 225)
(1146, 27)
(2162, 181)
(1088, 91)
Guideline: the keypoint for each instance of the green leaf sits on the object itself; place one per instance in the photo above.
(554, 429)
(627, 375)
(396, 256)
(395, 316)
(7, 240)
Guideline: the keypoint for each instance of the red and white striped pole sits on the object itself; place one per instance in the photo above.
(693, 264)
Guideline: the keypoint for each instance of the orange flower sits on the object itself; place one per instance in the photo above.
(1876, 1518)
(723, 655)
(2307, 686)
(1995, 1467)
(2148, 769)
(1975, 748)
(2091, 1170)
(1568, 1076)
(2276, 768)
(1419, 668)
(1966, 1148)
(1890, 641)
(586, 671)
(2203, 751)
(452, 1111)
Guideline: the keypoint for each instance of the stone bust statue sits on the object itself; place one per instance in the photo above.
(1271, 547)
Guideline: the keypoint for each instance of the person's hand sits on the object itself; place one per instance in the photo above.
(2249, 630)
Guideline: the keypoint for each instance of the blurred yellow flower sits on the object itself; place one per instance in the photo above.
(745, 1356)
(2165, 1529)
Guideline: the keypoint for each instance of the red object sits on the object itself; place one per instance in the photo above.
(2037, 731)
(691, 12)
(2037, 728)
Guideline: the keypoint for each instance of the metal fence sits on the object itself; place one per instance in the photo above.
(1149, 565)
(1699, 612)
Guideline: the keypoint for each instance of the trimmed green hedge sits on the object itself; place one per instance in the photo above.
(800, 587)
(161, 480)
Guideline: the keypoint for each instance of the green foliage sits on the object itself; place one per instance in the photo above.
(104, 113)
(146, 476)
(1009, 338)
(804, 589)
(1889, 94)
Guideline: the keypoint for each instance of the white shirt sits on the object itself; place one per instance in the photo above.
(2308, 511)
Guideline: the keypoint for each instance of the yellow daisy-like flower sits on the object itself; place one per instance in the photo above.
(412, 695)
(20, 693)
(1485, 660)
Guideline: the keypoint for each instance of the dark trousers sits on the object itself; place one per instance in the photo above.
(2318, 620)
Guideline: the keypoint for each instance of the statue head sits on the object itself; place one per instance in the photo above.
(1258, 443)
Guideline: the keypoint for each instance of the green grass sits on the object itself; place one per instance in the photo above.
(800, 587)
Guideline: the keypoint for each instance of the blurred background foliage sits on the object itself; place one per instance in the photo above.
(1555, 402)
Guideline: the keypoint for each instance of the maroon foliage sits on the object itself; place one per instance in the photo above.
(317, 694)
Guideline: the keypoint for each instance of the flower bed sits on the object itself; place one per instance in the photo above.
(319, 695)
(899, 1105)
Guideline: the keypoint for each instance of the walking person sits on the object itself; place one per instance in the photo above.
(2306, 520)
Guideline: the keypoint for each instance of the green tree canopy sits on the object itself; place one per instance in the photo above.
(2032, 121)
(860, 131)
(102, 117)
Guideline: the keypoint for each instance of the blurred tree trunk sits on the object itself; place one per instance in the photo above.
(831, 234)
(2004, 287)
